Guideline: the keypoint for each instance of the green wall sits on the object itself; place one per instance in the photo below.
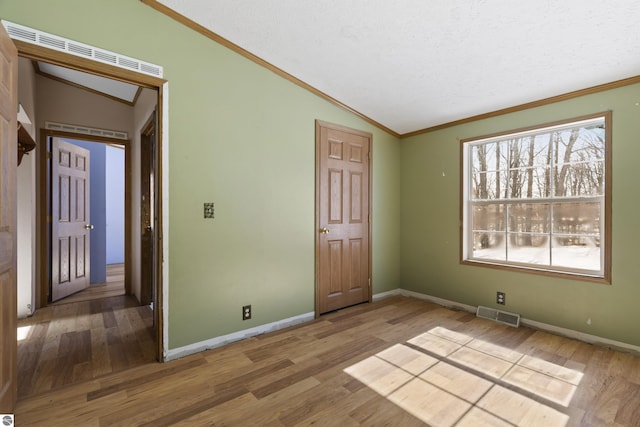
(243, 138)
(430, 236)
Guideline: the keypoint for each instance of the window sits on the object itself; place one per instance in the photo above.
(539, 199)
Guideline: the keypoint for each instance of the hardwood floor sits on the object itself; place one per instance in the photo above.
(396, 362)
(85, 336)
(114, 286)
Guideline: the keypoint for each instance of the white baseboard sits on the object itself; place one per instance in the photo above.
(569, 333)
(383, 295)
(440, 301)
(581, 336)
(176, 353)
(179, 352)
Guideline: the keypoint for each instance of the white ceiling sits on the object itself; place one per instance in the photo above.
(414, 64)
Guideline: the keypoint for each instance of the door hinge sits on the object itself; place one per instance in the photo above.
(49, 218)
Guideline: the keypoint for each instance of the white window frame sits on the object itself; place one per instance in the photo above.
(467, 204)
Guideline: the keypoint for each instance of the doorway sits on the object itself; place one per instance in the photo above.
(156, 86)
(87, 224)
(26, 43)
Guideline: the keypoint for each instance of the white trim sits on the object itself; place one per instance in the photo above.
(61, 44)
(383, 295)
(581, 336)
(176, 353)
(164, 131)
(440, 301)
(569, 333)
(187, 350)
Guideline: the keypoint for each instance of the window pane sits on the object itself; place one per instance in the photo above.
(489, 218)
(577, 218)
(489, 171)
(529, 248)
(580, 179)
(530, 151)
(529, 183)
(576, 227)
(575, 252)
(490, 156)
(489, 245)
(529, 233)
(529, 218)
(485, 185)
(580, 144)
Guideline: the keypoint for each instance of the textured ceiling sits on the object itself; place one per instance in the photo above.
(414, 64)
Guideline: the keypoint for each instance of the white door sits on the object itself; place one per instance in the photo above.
(71, 226)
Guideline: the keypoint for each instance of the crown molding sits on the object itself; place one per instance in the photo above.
(241, 51)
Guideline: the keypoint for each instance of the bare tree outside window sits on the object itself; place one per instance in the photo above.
(537, 198)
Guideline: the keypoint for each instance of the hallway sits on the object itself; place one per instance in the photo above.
(95, 332)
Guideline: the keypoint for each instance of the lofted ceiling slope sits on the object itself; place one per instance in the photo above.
(415, 64)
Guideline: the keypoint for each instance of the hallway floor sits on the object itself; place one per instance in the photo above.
(95, 332)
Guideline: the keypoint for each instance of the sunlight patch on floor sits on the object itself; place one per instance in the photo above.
(462, 381)
(23, 332)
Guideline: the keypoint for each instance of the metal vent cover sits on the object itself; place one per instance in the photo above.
(84, 130)
(500, 316)
(50, 41)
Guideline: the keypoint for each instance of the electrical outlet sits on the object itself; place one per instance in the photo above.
(501, 298)
(246, 312)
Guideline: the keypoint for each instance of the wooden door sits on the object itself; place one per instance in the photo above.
(8, 190)
(343, 255)
(71, 226)
(147, 210)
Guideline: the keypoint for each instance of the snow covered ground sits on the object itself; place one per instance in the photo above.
(580, 257)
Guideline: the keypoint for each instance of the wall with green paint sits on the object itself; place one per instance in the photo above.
(430, 236)
(244, 138)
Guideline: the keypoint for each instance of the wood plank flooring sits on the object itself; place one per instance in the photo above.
(85, 336)
(395, 362)
(114, 286)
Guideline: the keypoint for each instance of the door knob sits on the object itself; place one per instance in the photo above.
(88, 226)
(324, 230)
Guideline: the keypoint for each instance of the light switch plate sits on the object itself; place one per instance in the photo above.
(209, 210)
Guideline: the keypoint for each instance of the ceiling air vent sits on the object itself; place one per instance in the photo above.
(84, 130)
(505, 317)
(50, 41)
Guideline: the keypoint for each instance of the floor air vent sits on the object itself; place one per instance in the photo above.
(507, 318)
